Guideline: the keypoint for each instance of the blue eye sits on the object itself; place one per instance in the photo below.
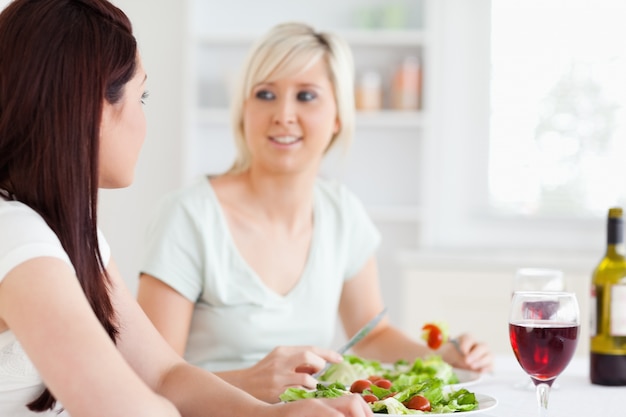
(306, 96)
(144, 97)
(264, 95)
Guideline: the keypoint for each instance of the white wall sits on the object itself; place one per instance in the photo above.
(159, 26)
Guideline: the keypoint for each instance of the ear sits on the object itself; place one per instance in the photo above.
(337, 127)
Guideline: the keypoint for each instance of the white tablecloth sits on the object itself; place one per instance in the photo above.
(574, 395)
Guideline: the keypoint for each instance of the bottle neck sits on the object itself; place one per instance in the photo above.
(615, 236)
(615, 250)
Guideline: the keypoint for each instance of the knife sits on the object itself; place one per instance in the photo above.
(355, 339)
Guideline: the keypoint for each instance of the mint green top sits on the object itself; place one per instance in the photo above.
(237, 319)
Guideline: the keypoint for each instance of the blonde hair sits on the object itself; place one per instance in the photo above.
(288, 49)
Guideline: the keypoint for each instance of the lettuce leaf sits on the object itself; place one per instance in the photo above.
(333, 390)
(354, 367)
(351, 369)
(391, 406)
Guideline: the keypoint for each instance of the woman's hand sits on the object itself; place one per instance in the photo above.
(283, 367)
(347, 406)
(466, 353)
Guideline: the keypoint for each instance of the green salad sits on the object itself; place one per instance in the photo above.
(396, 399)
(403, 388)
(354, 367)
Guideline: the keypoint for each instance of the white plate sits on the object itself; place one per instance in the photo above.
(466, 377)
(485, 403)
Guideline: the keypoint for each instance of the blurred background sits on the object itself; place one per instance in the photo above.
(490, 136)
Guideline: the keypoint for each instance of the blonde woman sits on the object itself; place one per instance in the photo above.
(245, 272)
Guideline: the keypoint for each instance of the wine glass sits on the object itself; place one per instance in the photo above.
(543, 330)
(536, 279)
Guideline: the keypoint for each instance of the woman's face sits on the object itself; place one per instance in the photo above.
(289, 122)
(122, 133)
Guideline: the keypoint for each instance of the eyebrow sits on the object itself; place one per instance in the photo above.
(315, 85)
(271, 84)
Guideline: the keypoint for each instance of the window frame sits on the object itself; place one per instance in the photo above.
(455, 164)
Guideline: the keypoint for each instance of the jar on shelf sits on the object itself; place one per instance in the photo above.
(369, 93)
(406, 85)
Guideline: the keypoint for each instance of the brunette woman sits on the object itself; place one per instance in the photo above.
(72, 86)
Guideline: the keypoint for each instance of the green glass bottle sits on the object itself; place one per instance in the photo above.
(608, 309)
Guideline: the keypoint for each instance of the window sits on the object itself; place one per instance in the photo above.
(526, 102)
(558, 107)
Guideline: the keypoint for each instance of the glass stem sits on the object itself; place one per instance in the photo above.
(543, 392)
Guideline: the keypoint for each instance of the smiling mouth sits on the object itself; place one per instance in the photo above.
(285, 140)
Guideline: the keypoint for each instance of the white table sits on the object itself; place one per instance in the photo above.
(574, 396)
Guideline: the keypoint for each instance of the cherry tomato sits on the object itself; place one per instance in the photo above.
(370, 398)
(435, 336)
(374, 378)
(383, 383)
(360, 385)
(418, 402)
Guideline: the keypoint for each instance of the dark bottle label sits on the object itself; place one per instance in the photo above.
(615, 231)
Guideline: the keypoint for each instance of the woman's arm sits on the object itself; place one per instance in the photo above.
(195, 392)
(361, 300)
(168, 310)
(284, 367)
(43, 304)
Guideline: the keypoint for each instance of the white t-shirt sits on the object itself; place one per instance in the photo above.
(237, 319)
(25, 235)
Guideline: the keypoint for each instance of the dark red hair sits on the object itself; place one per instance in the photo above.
(59, 61)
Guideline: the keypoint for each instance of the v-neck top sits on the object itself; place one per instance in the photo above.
(237, 319)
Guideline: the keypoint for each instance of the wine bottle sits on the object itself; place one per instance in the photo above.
(608, 309)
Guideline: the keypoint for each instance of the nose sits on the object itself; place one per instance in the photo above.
(285, 112)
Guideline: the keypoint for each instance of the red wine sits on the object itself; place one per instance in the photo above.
(543, 349)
